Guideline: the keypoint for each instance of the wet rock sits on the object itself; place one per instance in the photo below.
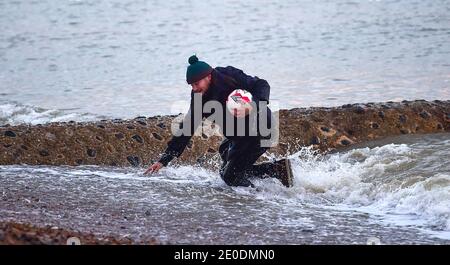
(201, 159)
(79, 161)
(359, 110)
(157, 136)
(211, 150)
(101, 126)
(142, 123)
(298, 127)
(325, 129)
(315, 140)
(204, 136)
(161, 125)
(345, 142)
(137, 138)
(346, 106)
(44, 152)
(10, 134)
(148, 213)
(189, 145)
(24, 147)
(91, 152)
(424, 114)
(402, 118)
(119, 135)
(133, 160)
(130, 127)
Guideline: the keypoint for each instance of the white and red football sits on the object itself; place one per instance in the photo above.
(239, 99)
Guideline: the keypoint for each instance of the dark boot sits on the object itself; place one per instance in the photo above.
(280, 169)
(283, 172)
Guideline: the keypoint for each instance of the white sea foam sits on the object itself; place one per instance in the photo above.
(13, 113)
(380, 180)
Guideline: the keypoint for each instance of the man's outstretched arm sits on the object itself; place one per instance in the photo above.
(177, 143)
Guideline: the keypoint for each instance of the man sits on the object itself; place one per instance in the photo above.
(239, 152)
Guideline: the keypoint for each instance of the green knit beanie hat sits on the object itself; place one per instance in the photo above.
(197, 70)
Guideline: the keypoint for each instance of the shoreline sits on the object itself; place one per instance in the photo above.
(17, 233)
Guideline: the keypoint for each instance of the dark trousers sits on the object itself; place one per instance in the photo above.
(238, 158)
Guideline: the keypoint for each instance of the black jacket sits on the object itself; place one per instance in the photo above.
(224, 81)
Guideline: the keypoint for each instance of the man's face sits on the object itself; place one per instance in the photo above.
(202, 85)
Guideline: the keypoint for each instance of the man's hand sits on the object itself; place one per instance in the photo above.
(154, 168)
(241, 113)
